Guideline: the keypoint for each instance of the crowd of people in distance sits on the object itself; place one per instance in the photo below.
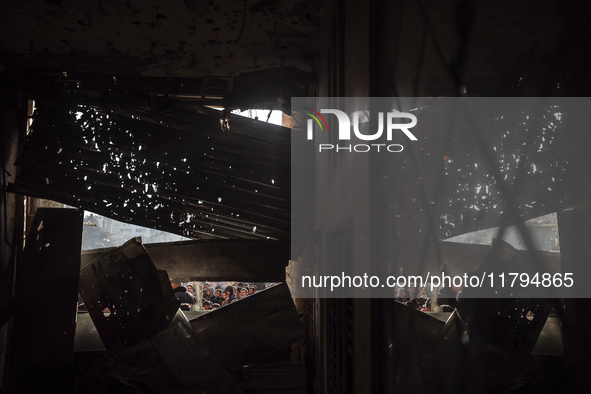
(186, 295)
(213, 295)
(420, 298)
(214, 298)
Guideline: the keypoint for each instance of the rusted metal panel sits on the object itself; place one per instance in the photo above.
(46, 289)
(238, 334)
(169, 362)
(190, 359)
(135, 313)
(216, 260)
(128, 299)
(245, 330)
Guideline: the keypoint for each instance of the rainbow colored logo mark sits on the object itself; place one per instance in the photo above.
(315, 115)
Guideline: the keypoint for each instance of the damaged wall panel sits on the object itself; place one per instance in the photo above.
(237, 334)
(245, 330)
(132, 305)
(46, 288)
(247, 338)
(127, 298)
(190, 359)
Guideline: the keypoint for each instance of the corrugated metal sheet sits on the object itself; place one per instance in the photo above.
(176, 171)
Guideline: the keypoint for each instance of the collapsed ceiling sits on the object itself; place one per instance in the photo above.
(179, 173)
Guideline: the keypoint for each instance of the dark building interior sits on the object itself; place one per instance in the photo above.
(107, 106)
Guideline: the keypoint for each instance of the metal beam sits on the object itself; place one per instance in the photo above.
(215, 260)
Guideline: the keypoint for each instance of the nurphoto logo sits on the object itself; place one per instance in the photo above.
(344, 129)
